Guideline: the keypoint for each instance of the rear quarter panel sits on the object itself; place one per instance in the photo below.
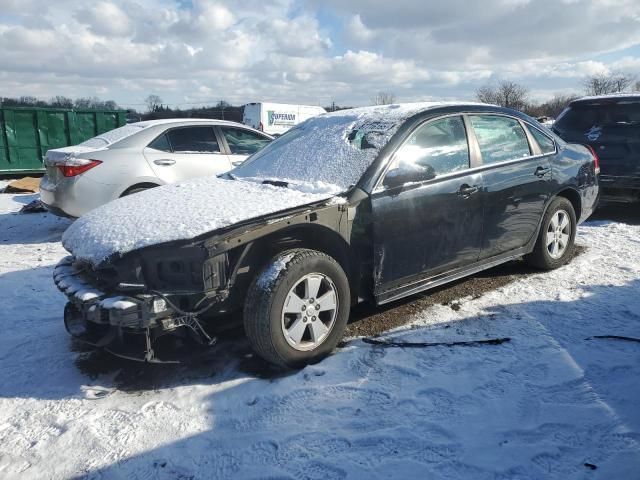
(573, 168)
(122, 168)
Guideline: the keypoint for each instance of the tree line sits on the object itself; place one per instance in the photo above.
(510, 94)
(505, 93)
(59, 101)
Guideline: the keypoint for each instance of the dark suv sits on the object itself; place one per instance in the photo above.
(370, 204)
(610, 125)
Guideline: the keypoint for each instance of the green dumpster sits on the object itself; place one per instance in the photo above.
(26, 133)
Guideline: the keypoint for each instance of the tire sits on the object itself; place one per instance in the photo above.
(296, 338)
(137, 189)
(550, 237)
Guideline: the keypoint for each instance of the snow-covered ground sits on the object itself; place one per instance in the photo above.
(540, 406)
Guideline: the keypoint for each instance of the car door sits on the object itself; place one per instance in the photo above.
(427, 210)
(241, 143)
(516, 182)
(186, 152)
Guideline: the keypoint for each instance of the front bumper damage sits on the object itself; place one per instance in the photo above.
(128, 326)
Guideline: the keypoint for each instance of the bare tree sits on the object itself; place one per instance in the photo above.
(603, 84)
(506, 94)
(60, 101)
(383, 98)
(487, 94)
(598, 84)
(552, 107)
(29, 101)
(84, 102)
(153, 102)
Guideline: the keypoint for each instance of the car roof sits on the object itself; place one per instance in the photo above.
(186, 121)
(608, 99)
(416, 108)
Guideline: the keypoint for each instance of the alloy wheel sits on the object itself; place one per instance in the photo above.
(309, 311)
(558, 234)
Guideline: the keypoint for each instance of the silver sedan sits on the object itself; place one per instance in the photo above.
(139, 156)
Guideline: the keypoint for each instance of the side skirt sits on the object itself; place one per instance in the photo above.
(432, 282)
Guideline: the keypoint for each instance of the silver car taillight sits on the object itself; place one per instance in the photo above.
(72, 166)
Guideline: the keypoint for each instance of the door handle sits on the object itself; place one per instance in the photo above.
(237, 163)
(164, 162)
(541, 171)
(467, 190)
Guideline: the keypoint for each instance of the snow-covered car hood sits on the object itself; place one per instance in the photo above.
(180, 211)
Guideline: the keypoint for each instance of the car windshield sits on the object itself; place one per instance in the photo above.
(327, 152)
(112, 136)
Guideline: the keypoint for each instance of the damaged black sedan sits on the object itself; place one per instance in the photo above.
(370, 204)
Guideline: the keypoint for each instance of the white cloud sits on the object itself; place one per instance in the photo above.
(105, 18)
(285, 50)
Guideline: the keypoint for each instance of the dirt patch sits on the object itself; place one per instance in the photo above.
(368, 320)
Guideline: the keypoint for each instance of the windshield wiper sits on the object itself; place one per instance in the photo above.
(276, 183)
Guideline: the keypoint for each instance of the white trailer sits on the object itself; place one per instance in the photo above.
(277, 118)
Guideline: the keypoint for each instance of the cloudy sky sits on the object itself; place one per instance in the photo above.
(309, 51)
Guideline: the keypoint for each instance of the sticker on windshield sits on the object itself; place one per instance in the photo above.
(594, 133)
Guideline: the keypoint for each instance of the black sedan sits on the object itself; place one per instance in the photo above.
(370, 204)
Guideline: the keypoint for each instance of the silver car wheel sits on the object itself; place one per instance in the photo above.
(558, 234)
(309, 312)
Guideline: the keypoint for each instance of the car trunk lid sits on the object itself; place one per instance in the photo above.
(60, 156)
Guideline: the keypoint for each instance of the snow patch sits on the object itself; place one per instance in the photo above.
(301, 186)
(271, 274)
(113, 136)
(633, 96)
(117, 303)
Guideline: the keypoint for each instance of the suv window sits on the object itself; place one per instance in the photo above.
(545, 143)
(582, 117)
(161, 143)
(243, 142)
(440, 146)
(193, 140)
(500, 138)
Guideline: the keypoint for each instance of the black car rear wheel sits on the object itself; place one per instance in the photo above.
(297, 308)
(555, 244)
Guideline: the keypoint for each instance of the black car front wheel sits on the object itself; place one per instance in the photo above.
(555, 244)
(297, 308)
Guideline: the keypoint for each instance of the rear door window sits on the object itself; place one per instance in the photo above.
(193, 140)
(545, 143)
(500, 138)
(161, 143)
(243, 142)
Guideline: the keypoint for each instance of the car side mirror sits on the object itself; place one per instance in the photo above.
(408, 173)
